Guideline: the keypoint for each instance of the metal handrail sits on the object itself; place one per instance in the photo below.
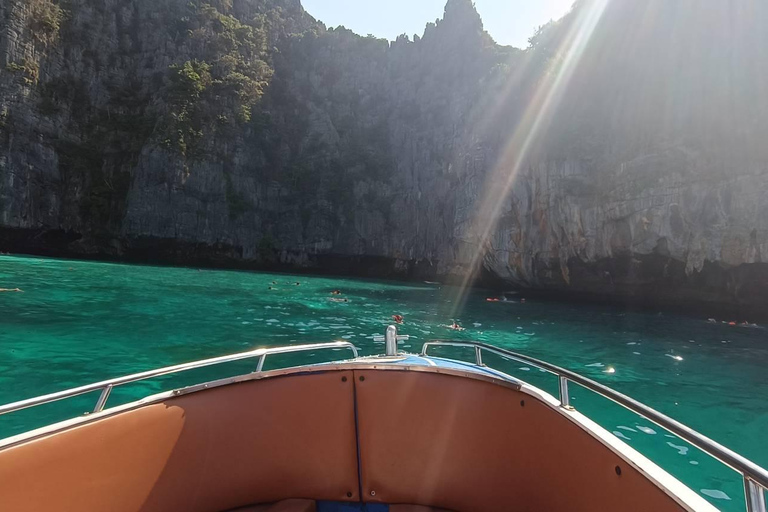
(755, 477)
(106, 386)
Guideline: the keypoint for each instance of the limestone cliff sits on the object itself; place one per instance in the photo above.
(621, 155)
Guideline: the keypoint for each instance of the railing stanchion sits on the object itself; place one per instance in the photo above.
(755, 495)
(565, 400)
(102, 401)
(260, 365)
(479, 356)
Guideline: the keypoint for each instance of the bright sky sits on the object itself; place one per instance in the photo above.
(509, 22)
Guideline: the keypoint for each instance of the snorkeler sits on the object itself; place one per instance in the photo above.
(11, 290)
(397, 318)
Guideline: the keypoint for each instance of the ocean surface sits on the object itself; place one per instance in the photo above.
(78, 322)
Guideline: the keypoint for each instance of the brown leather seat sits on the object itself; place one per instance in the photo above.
(294, 505)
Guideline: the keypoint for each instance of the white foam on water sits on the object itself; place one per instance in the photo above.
(622, 436)
(477, 324)
(273, 321)
(632, 343)
(646, 430)
(682, 450)
(693, 462)
(714, 493)
(246, 323)
(628, 429)
(524, 368)
(636, 353)
(595, 365)
(676, 358)
(529, 333)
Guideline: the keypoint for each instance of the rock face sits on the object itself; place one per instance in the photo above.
(612, 158)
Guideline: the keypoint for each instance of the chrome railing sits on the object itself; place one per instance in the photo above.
(755, 477)
(106, 386)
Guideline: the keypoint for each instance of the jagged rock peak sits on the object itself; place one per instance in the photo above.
(462, 12)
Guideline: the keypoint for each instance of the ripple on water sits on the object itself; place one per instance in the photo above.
(714, 493)
(620, 435)
(682, 450)
(628, 429)
(646, 430)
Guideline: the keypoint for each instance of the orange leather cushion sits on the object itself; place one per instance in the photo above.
(470, 446)
(254, 442)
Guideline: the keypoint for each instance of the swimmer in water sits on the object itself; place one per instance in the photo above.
(11, 290)
(397, 318)
(336, 292)
(455, 326)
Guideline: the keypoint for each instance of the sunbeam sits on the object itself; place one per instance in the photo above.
(529, 129)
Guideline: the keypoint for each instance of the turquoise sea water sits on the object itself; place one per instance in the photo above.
(77, 322)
